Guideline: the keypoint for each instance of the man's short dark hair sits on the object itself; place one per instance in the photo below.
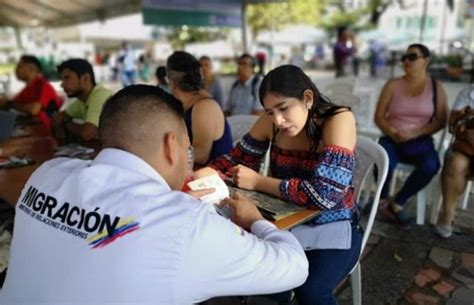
(125, 112)
(79, 66)
(30, 59)
(252, 59)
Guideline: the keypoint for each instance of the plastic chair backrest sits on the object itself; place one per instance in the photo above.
(368, 154)
(240, 124)
(341, 85)
(346, 99)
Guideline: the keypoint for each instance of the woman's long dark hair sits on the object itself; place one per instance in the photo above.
(291, 81)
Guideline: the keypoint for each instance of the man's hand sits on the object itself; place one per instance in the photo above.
(244, 177)
(245, 213)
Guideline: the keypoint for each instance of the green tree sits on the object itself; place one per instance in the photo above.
(277, 15)
(179, 36)
(339, 13)
(341, 17)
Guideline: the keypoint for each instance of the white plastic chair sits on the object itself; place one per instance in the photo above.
(356, 104)
(422, 197)
(465, 196)
(240, 124)
(345, 99)
(368, 154)
(341, 85)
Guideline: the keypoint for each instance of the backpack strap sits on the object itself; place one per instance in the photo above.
(253, 85)
(255, 80)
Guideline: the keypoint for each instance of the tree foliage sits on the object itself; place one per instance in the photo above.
(277, 15)
(328, 14)
(341, 17)
(179, 36)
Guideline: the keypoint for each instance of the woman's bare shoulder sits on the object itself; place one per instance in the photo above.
(263, 128)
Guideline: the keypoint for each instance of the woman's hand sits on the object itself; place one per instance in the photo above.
(405, 135)
(245, 177)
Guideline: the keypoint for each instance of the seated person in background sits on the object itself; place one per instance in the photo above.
(119, 223)
(161, 81)
(78, 80)
(208, 129)
(458, 167)
(243, 97)
(410, 110)
(212, 83)
(312, 165)
(38, 98)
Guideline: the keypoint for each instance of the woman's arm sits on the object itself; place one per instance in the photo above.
(380, 116)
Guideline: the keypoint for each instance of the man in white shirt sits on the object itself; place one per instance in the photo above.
(117, 230)
(128, 66)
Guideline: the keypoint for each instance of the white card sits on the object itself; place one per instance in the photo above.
(212, 181)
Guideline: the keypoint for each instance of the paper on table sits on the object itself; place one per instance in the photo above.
(13, 161)
(72, 151)
(212, 181)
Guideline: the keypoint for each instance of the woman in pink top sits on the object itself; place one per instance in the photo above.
(410, 110)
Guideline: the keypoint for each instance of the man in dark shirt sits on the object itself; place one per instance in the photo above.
(343, 51)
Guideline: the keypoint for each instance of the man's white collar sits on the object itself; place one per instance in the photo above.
(128, 161)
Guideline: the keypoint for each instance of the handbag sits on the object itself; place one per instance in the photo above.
(424, 143)
(461, 143)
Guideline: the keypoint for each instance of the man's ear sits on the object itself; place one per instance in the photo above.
(172, 84)
(170, 145)
(85, 78)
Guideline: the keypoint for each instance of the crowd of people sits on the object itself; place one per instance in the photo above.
(127, 232)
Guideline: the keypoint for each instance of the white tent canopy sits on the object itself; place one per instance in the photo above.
(216, 49)
(54, 13)
(294, 35)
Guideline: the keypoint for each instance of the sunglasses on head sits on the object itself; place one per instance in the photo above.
(410, 57)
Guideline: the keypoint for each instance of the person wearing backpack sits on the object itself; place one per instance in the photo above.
(243, 97)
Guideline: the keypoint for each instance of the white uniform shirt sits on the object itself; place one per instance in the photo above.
(157, 246)
(465, 98)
